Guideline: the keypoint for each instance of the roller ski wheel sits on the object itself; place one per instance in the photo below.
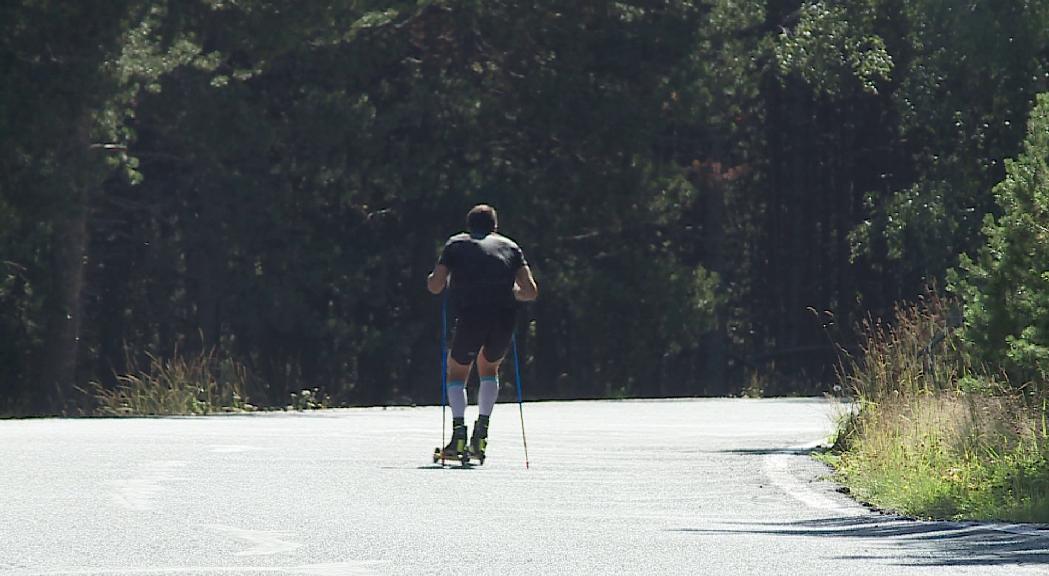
(457, 449)
(463, 458)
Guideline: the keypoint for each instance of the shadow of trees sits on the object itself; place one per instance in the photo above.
(920, 543)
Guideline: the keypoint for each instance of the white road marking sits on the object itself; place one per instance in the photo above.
(262, 542)
(331, 569)
(338, 569)
(232, 448)
(137, 493)
(780, 476)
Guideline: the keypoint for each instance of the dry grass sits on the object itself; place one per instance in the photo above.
(934, 435)
(202, 383)
(917, 353)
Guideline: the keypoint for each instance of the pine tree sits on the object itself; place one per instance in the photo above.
(1006, 286)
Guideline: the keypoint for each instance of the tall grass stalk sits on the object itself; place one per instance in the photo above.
(200, 383)
(935, 435)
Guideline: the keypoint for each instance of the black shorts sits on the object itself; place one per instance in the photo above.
(492, 329)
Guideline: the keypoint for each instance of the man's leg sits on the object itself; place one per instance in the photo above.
(488, 370)
(496, 344)
(467, 339)
(457, 375)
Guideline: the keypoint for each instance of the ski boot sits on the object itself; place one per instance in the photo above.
(456, 449)
(479, 441)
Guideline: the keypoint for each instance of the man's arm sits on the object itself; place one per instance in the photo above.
(525, 288)
(438, 279)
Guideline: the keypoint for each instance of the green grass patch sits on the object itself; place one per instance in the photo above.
(933, 437)
(190, 384)
(201, 383)
(953, 457)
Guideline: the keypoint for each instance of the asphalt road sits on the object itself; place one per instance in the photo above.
(717, 487)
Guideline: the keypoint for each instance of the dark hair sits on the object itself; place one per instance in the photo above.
(482, 219)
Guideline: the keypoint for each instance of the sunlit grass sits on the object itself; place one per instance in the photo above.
(943, 456)
(934, 436)
(201, 383)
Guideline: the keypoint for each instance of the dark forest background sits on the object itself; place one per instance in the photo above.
(711, 194)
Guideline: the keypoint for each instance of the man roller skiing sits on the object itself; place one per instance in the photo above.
(489, 276)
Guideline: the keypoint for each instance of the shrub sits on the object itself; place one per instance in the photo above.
(202, 383)
(933, 433)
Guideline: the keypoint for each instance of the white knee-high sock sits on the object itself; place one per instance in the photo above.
(487, 395)
(457, 398)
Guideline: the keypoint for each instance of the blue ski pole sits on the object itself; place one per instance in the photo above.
(520, 400)
(444, 368)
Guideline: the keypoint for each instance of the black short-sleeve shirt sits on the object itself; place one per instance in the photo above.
(483, 270)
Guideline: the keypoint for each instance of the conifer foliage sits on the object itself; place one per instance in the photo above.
(1006, 285)
(267, 183)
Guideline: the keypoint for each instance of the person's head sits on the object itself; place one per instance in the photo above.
(482, 220)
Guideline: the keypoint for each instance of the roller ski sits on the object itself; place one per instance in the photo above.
(457, 448)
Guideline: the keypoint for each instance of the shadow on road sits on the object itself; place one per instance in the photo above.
(770, 451)
(918, 543)
(435, 467)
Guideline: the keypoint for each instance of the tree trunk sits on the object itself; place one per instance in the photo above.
(62, 336)
(205, 256)
(69, 245)
(714, 232)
